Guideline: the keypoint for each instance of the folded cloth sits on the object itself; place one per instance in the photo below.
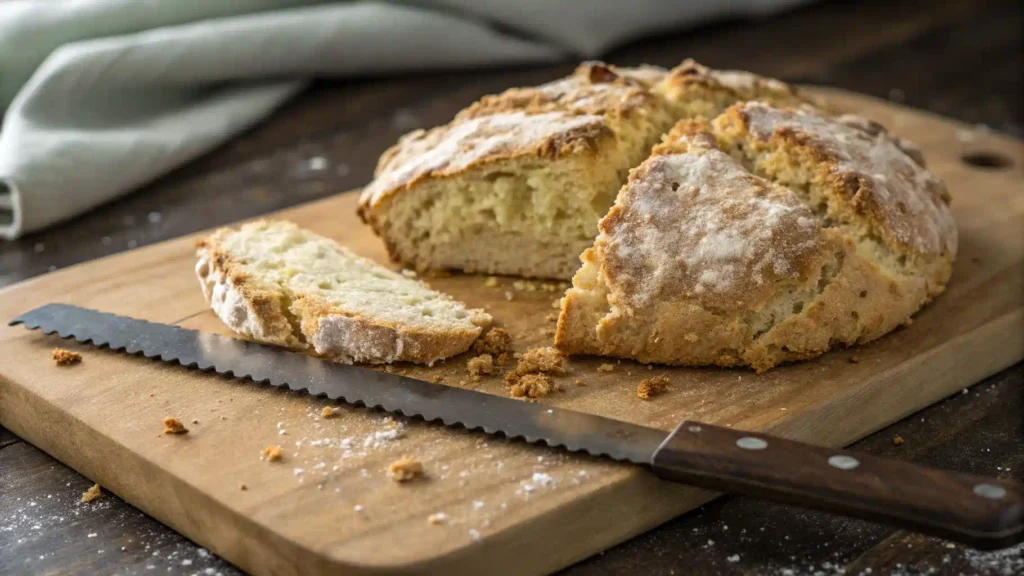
(102, 96)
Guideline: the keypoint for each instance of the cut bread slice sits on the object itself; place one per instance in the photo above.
(276, 283)
(517, 182)
(765, 236)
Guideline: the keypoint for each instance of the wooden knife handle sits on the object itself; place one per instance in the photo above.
(982, 512)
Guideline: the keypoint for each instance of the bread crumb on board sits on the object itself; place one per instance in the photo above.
(495, 341)
(329, 412)
(92, 493)
(651, 387)
(606, 367)
(854, 359)
(491, 282)
(271, 454)
(66, 357)
(545, 359)
(174, 426)
(897, 440)
(529, 385)
(404, 469)
(482, 365)
(242, 486)
(436, 519)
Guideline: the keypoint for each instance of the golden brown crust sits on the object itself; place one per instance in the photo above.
(703, 262)
(868, 173)
(701, 91)
(595, 88)
(374, 340)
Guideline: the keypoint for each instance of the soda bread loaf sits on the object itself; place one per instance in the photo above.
(763, 236)
(278, 284)
(518, 181)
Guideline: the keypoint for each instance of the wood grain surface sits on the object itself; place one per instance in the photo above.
(103, 417)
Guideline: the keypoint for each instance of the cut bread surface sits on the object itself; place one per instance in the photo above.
(279, 284)
(763, 236)
(517, 182)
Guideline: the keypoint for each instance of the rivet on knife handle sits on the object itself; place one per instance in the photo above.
(983, 512)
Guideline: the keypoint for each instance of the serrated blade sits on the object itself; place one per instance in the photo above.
(534, 423)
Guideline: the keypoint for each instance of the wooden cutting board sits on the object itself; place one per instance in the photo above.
(328, 507)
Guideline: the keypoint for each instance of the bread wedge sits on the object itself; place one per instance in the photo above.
(517, 182)
(276, 283)
(764, 236)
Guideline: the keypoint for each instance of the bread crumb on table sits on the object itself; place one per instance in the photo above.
(174, 426)
(329, 412)
(651, 387)
(271, 454)
(491, 282)
(529, 385)
(544, 359)
(242, 486)
(854, 359)
(92, 493)
(606, 367)
(66, 357)
(404, 469)
(897, 440)
(495, 341)
(482, 365)
(436, 519)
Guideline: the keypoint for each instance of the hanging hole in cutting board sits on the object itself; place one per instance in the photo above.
(986, 160)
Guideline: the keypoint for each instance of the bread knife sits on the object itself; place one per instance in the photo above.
(986, 513)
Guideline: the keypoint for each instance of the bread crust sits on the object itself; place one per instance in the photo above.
(847, 264)
(303, 321)
(691, 83)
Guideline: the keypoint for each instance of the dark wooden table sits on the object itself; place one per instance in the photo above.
(960, 58)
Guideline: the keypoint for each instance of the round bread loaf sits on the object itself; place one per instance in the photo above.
(763, 236)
